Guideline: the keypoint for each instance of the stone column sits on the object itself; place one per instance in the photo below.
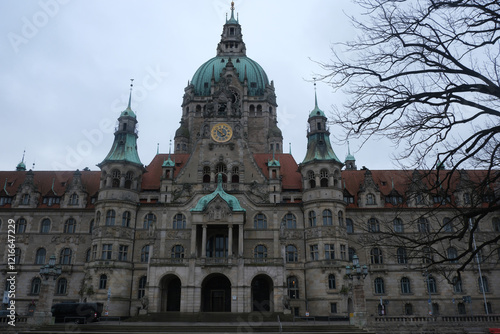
(240, 240)
(204, 242)
(193, 241)
(359, 303)
(230, 241)
(43, 314)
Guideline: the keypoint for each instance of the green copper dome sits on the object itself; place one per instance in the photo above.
(257, 78)
(231, 201)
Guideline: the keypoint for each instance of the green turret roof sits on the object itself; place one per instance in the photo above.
(316, 111)
(231, 201)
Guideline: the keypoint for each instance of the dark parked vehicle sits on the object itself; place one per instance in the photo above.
(77, 312)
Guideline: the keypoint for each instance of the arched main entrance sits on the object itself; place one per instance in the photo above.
(170, 287)
(262, 293)
(216, 294)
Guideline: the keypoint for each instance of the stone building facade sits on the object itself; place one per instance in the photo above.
(228, 222)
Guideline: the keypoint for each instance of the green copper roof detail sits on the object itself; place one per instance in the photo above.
(349, 156)
(255, 75)
(232, 20)
(319, 148)
(128, 111)
(316, 111)
(231, 201)
(124, 149)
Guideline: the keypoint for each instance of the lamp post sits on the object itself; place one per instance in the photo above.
(43, 315)
(358, 317)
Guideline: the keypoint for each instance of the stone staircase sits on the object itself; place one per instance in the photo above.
(215, 323)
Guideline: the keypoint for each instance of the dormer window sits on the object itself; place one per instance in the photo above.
(50, 200)
(25, 200)
(370, 199)
(5, 200)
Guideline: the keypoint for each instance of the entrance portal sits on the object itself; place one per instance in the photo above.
(216, 294)
(170, 287)
(262, 293)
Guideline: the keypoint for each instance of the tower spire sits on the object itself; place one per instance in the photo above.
(315, 95)
(130, 96)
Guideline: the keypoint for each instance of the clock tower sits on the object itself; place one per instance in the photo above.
(228, 113)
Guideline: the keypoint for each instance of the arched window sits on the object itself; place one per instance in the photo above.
(349, 225)
(340, 216)
(40, 256)
(129, 177)
(116, 175)
(177, 252)
(457, 285)
(110, 217)
(206, 174)
(20, 226)
(428, 255)
(126, 219)
(405, 285)
(87, 255)
(141, 291)
(483, 284)
(398, 225)
(73, 199)
(401, 255)
(291, 253)
(98, 218)
(289, 221)
(331, 282)
(423, 225)
(149, 220)
(65, 256)
(461, 308)
(70, 225)
(62, 286)
(312, 218)
(235, 177)
(376, 256)
(145, 254)
(179, 222)
(323, 178)
(221, 168)
(260, 221)
(35, 286)
(312, 179)
(370, 199)
(293, 287)
(431, 285)
(452, 254)
(351, 251)
(91, 226)
(327, 218)
(45, 227)
(379, 285)
(373, 225)
(447, 225)
(103, 281)
(260, 252)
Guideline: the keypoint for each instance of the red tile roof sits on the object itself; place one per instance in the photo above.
(292, 180)
(151, 179)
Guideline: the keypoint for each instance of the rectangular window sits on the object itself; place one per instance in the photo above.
(329, 252)
(122, 253)
(333, 307)
(342, 252)
(107, 251)
(314, 252)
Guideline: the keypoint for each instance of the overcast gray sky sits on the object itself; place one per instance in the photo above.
(66, 64)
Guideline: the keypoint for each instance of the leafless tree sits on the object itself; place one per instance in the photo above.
(426, 74)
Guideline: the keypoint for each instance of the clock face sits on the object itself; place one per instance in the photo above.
(221, 132)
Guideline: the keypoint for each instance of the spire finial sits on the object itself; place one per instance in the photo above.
(315, 95)
(130, 96)
(157, 148)
(24, 153)
(348, 148)
(169, 148)
(232, 11)
(290, 148)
